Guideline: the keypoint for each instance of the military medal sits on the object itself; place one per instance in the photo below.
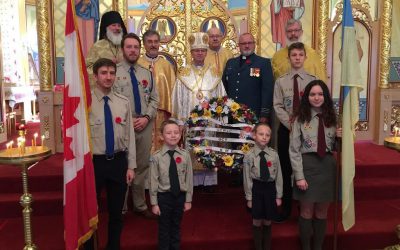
(199, 95)
(256, 72)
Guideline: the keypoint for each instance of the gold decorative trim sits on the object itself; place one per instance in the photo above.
(44, 25)
(120, 6)
(395, 117)
(361, 11)
(322, 24)
(254, 22)
(188, 17)
(362, 126)
(384, 45)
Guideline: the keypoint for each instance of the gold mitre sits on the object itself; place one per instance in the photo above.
(198, 40)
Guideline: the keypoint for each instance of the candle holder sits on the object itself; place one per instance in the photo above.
(392, 142)
(12, 156)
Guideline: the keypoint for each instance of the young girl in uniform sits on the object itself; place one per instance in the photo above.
(312, 141)
(262, 182)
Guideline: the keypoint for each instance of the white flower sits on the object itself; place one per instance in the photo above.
(225, 110)
(229, 102)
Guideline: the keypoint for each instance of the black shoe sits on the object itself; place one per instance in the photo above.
(281, 219)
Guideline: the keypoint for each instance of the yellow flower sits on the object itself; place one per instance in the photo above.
(245, 148)
(235, 106)
(196, 150)
(218, 110)
(228, 160)
(207, 113)
(194, 115)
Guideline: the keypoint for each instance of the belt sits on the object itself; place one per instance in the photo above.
(115, 155)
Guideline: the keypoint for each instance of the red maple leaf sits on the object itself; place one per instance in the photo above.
(70, 106)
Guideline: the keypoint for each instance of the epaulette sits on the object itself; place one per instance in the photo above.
(185, 71)
(287, 73)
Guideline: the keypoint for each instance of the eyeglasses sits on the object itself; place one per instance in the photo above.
(295, 31)
(215, 36)
(247, 43)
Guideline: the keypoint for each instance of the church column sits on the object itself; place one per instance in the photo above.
(321, 41)
(47, 77)
(254, 22)
(120, 6)
(385, 35)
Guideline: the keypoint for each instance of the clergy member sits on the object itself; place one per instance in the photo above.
(280, 60)
(196, 83)
(164, 75)
(112, 29)
(216, 54)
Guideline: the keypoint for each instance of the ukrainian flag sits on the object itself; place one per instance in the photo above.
(351, 86)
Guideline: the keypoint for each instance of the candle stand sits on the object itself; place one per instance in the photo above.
(23, 159)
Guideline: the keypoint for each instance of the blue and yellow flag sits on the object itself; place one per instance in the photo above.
(351, 84)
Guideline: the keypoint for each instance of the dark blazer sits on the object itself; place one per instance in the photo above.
(250, 83)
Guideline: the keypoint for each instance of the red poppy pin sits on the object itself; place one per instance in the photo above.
(118, 120)
(269, 164)
(248, 61)
(301, 93)
(178, 159)
(145, 83)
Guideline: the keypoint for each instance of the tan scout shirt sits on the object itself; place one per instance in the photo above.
(147, 90)
(251, 170)
(283, 94)
(159, 173)
(124, 135)
(304, 139)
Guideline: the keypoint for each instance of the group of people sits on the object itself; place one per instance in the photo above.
(139, 102)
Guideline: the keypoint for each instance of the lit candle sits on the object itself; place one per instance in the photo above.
(42, 140)
(35, 137)
(19, 148)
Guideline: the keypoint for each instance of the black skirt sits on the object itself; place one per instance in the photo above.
(264, 200)
(320, 174)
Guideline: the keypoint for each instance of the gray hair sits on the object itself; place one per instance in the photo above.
(292, 21)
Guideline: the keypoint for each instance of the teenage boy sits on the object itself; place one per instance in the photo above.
(287, 95)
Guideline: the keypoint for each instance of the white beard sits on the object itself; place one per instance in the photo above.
(115, 39)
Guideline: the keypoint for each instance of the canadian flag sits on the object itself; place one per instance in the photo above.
(80, 204)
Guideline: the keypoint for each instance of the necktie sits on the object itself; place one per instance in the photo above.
(264, 171)
(321, 149)
(173, 175)
(296, 99)
(136, 94)
(108, 124)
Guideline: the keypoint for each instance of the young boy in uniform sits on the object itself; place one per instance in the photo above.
(171, 185)
(262, 182)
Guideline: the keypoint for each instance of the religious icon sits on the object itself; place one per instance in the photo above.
(213, 22)
(166, 28)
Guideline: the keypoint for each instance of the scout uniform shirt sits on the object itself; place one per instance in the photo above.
(124, 136)
(283, 94)
(159, 173)
(251, 170)
(147, 90)
(304, 139)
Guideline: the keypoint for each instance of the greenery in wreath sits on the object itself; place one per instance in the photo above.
(232, 124)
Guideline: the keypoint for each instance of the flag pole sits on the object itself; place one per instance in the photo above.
(338, 172)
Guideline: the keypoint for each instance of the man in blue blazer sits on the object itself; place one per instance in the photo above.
(248, 79)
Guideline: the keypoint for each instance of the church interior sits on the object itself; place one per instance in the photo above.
(32, 44)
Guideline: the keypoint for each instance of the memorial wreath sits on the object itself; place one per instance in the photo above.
(220, 133)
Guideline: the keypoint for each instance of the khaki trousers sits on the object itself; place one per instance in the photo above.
(143, 147)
